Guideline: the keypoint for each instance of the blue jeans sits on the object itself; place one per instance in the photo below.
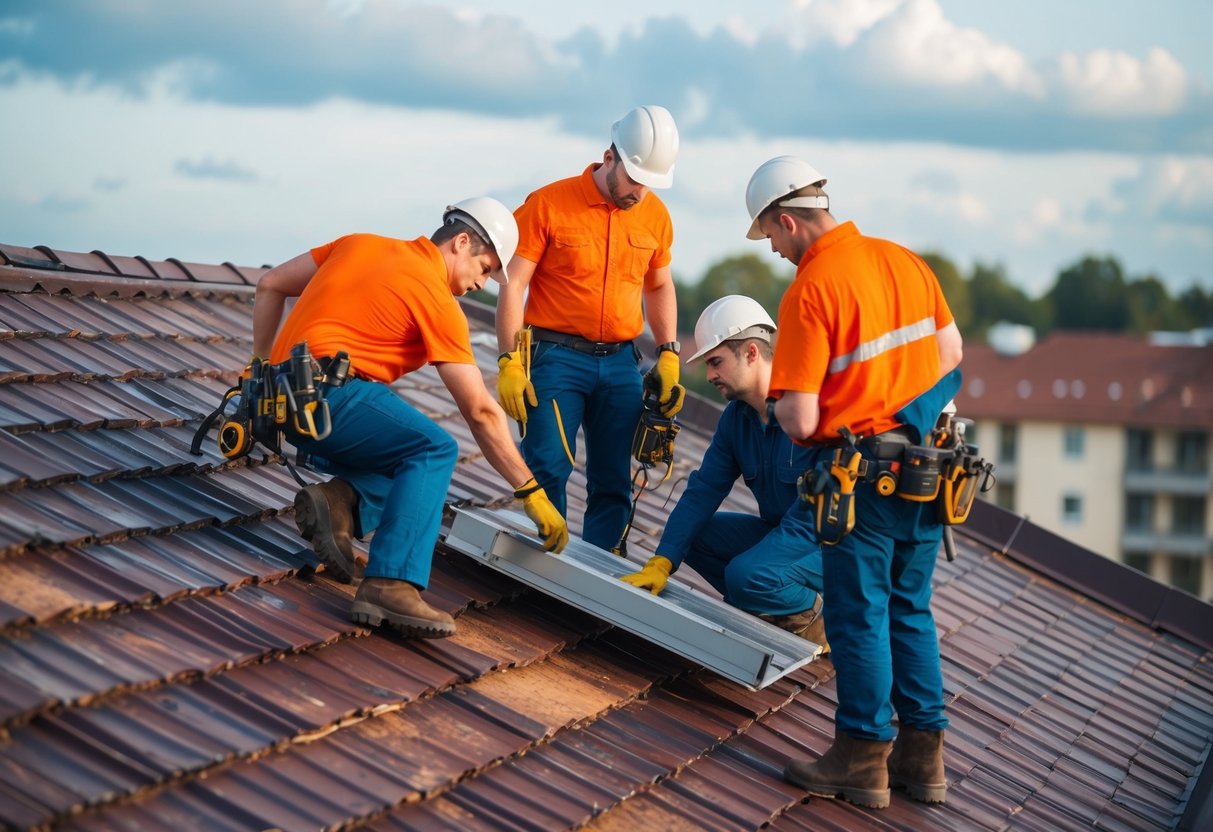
(400, 463)
(757, 567)
(576, 389)
(879, 621)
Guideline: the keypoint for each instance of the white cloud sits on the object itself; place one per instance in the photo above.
(1111, 83)
(840, 21)
(1176, 190)
(917, 45)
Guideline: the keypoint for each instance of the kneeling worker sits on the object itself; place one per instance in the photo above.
(390, 305)
(769, 565)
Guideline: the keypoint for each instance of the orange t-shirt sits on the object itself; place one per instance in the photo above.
(384, 301)
(592, 258)
(857, 326)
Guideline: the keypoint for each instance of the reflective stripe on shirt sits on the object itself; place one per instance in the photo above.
(890, 340)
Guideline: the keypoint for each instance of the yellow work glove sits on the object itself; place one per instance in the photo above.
(662, 381)
(654, 575)
(514, 389)
(552, 527)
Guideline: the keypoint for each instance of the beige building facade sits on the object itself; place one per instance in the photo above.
(1104, 440)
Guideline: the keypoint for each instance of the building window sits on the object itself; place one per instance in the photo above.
(1007, 444)
(1139, 561)
(1188, 515)
(1004, 496)
(1139, 455)
(1192, 452)
(1139, 512)
(1071, 508)
(1073, 442)
(1185, 574)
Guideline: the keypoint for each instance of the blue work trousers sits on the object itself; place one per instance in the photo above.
(757, 567)
(400, 463)
(878, 617)
(603, 395)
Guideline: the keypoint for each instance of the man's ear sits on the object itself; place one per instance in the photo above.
(460, 241)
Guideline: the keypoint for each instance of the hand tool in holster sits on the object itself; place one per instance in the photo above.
(272, 398)
(652, 445)
(829, 486)
(961, 475)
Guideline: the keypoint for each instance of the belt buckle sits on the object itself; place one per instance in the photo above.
(600, 349)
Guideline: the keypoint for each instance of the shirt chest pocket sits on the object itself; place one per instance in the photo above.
(642, 247)
(792, 461)
(569, 253)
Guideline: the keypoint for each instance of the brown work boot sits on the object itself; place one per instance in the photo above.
(809, 624)
(852, 769)
(324, 514)
(399, 604)
(916, 764)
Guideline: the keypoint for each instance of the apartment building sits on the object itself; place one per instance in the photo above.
(1103, 439)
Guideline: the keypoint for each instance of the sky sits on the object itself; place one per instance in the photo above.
(1026, 135)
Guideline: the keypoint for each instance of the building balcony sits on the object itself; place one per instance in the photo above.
(1168, 481)
(1183, 544)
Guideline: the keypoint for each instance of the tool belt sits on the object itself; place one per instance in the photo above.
(598, 349)
(273, 399)
(949, 473)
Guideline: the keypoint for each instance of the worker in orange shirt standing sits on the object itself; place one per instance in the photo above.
(592, 250)
(390, 305)
(865, 340)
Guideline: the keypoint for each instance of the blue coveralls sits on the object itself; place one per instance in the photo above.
(765, 565)
(400, 462)
(603, 393)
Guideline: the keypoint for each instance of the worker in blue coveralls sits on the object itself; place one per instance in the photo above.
(770, 564)
(868, 348)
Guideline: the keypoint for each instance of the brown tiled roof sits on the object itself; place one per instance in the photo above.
(170, 657)
(1085, 377)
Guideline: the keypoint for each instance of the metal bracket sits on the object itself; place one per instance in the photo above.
(735, 644)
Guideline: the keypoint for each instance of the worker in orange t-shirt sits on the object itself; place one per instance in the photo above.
(865, 336)
(592, 251)
(390, 305)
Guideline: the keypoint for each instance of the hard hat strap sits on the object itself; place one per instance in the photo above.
(822, 201)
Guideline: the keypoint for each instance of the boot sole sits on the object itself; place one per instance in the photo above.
(407, 625)
(868, 798)
(316, 526)
(922, 792)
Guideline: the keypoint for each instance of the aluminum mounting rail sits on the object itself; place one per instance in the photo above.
(699, 627)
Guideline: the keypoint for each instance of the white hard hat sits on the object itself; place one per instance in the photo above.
(494, 222)
(647, 141)
(731, 318)
(777, 178)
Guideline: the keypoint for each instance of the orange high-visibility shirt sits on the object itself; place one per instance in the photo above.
(857, 327)
(592, 258)
(384, 301)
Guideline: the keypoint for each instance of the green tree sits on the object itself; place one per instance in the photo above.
(955, 288)
(1152, 308)
(1091, 295)
(994, 298)
(745, 274)
(1196, 306)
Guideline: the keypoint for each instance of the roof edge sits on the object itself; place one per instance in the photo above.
(1121, 587)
